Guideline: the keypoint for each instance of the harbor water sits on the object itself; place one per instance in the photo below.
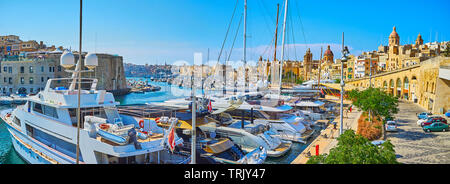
(9, 156)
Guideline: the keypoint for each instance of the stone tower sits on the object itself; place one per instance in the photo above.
(328, 56)
(419, 40)
(394, 39)
(307, 64)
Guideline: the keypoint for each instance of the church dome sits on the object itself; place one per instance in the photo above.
(328, 52)
(394, 34)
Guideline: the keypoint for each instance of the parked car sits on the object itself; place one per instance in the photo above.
(391, 126)
(378, 142)
(423, 115)
(434, 120)
(420, 121)
(435, 127)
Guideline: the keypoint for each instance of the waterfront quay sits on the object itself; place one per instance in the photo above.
(328, 136)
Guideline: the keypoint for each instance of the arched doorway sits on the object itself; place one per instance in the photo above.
(406, 88)
(385, 86)
(22, 91)
(398, 89)
(391, 86)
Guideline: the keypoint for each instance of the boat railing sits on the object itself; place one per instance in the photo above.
(146, 110)
(62, 85)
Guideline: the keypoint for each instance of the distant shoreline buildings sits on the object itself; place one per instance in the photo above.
(25, 67)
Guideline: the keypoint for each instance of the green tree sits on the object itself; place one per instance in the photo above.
(337, 81)
(447, 50)
(355, 149)
(299, 80)
(375, 101)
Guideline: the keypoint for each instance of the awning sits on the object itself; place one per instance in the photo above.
(347, 87)
(284, 107)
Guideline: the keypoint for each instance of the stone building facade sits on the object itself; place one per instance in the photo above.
(30, 75)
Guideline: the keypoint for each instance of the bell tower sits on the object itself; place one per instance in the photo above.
(394, 39)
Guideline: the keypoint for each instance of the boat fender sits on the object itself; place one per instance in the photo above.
(141, 123)
(104, 126)
(8, 115)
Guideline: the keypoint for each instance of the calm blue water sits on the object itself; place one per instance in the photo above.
(9, 156)
(7, 153)
(167, 92)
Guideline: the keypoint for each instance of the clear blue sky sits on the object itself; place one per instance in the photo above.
(155, 31)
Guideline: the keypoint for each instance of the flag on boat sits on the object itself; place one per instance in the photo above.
(210, 107)
(171, 139)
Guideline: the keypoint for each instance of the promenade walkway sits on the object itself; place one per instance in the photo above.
(327, 138)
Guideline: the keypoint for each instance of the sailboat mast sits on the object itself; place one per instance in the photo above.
(276, 34)
(194, 113)
(79, 85)
(245, 46)
(320, 68)
(282, 47)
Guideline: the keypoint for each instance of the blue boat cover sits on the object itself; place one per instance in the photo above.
(319, 102)
(284, 107)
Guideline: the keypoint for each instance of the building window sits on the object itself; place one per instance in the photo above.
(22, 69)
(10, 69)
(5, 69)
(22, 80)
(31, 80)
(42, 79)
(10, 80)
(31, 69)
(42, 69)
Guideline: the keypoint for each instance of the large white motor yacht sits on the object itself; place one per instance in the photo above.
(44, 130)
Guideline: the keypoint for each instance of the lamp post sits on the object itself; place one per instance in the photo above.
(68, 61)
(343, 60)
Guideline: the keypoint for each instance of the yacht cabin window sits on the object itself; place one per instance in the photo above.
(45, 110)
(91, 111)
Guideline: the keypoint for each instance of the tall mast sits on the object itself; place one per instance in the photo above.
(245, 46)
(284, 39)
(194, 111)
(78, 68)
(276, 35)
(320, 68)
(341, 128)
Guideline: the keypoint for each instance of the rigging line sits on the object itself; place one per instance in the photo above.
(269, 47)
(264, 16)
(235, 36)
(228, 30)
(293, 35)
(301, 23)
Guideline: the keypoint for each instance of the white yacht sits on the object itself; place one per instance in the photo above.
(251, 137)
(44, 130)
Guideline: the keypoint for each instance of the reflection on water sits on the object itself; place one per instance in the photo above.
(7, 153)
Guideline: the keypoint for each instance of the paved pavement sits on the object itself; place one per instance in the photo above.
(329, 141)
(412, 144)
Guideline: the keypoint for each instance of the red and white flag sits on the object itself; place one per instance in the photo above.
(171, 139)
(210, 106)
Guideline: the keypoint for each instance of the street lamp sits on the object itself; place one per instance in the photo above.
(343, 60)
(68, 61)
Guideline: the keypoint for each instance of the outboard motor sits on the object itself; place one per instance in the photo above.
(133, 138)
